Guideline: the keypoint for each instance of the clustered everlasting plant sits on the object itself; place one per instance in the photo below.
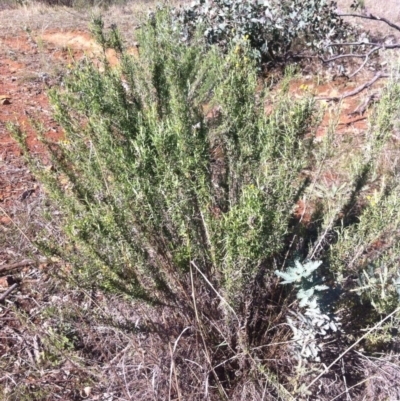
(177, 189)
(314, 326)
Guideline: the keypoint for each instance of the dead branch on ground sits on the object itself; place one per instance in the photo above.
(8, 292)
(373, 18)
(366, 56)
(362, 108)
(376, 46)
(23, 263)
(357, 90)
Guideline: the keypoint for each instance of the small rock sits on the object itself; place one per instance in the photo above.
(87, 391)
(4, 99)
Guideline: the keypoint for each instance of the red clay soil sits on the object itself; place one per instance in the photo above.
(28, 66)
(22, 97)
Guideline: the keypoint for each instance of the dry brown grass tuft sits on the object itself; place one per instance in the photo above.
(64, 342)
(39, 17)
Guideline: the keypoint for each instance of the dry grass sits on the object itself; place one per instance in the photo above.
(41, 17)
(62, 341)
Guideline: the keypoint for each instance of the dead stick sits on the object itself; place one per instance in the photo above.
(357, 90)
(378, 46)
(372, 17)
(360, 110)
(365, 61)
(9, 291)
(353, 121)
(13, 266)
(352, 346)
(352, 55)
(352, 44)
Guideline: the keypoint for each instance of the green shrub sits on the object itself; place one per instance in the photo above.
(368, 249)
(146, 197)
(177, 188)
(274, 28)
(162, 199)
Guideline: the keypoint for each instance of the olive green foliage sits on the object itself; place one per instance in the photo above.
(274, 28)
(177, 188)
(370, 248)
(146, 197)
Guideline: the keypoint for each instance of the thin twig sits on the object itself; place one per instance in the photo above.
(351, 44)
(345, 382)
(355, 385)
(172, 368)
(353, 55)
(199, 322)
(216, 292)
(384, 47)
(348, 123)
(8, 292)
(352, 346)
(365, 61)
(362, 108)
(372, 17)
(16, 225)
(377, 46)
